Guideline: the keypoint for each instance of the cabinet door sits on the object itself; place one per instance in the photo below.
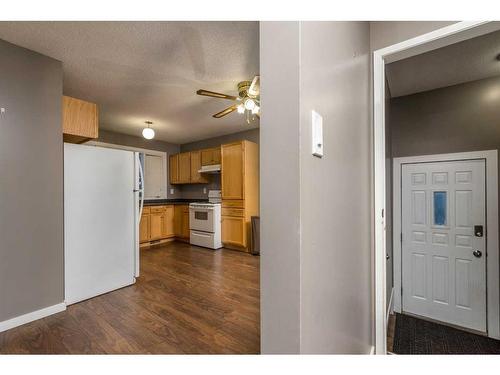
(185, 225)
(144, 228)
(178, 220)
(216, 155)
(168, 222)
(195, 167)
(206, 157)
(156, 225)
(185, 168)
(174, 168)
(80, 120)
(232, 171)
(234, 231)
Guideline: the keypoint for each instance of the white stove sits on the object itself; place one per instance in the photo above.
(205, 221)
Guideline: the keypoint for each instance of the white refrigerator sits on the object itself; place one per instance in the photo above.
(103, 199)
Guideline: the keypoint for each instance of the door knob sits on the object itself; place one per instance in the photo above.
(477, 253)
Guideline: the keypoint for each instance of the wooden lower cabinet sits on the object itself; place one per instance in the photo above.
(181, 222)
(234, 231)
(168, 222)
(144, 228)
(156, 225)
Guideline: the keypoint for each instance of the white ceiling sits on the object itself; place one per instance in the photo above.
(138, 71)
(467, 61)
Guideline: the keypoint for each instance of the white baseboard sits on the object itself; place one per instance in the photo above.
(35, 315)
(372, 350)
(390, 308)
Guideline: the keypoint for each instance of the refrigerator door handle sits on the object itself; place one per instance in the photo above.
(141, 190)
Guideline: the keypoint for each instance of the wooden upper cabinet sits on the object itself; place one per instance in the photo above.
(80, 120)
(210, 156)
(232, 178)
(197, 177)
(216, 155)
(174, 168)
(185, 167)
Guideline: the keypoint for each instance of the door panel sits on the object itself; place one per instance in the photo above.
(168, 224)
(442, 279)
(156, 226)
(185, 167)
(207, 157)
(234, 231)
(153, 177)
(144, 228)
(232, 171)
(195, 167)
(174, 168)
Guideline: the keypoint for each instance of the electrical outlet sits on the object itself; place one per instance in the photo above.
(172, 191)
(204, 190)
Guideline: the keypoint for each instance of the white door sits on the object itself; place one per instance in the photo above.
(153, 177)
(99, 221)
(443, 259)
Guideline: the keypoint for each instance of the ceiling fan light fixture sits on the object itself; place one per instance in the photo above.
(147, 132)
(256, 110)
(250, 104)
(241, 108)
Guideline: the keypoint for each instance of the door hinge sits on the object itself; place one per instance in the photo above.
(401, 237)
(382, 212)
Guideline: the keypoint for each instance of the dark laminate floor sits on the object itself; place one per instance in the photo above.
(187, 300)
(417, 336)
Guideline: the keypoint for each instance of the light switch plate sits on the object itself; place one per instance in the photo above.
(172, 191)
(317, 134)
(204, 190)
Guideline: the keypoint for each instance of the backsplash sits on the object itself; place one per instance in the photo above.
(195, 191)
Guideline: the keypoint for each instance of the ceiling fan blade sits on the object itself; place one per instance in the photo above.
(215, 94)
(226, 111)
(254, 89)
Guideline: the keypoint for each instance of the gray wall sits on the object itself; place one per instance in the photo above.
(336, 306)
(140, 142)
(280, 187)
(315, 255)
(386, 33)
(249, 135)
(31, 187)
(458, 118)
(196, 190)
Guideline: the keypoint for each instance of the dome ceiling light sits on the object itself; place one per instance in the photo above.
(148, 132)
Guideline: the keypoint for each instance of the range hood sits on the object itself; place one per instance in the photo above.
(210, 169)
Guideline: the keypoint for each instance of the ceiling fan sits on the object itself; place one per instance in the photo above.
(247, 101)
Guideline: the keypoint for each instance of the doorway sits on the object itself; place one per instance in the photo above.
(384, 300)
(441, 267)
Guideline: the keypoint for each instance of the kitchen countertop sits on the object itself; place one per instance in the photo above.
(158, 202)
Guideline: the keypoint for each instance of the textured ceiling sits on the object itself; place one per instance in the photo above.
(467, 61)
(138, 71)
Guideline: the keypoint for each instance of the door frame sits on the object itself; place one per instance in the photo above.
(492, 254)
(451, 34)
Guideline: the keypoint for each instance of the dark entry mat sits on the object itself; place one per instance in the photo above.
(417, 336)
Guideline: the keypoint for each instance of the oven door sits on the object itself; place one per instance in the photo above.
(201, 219)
